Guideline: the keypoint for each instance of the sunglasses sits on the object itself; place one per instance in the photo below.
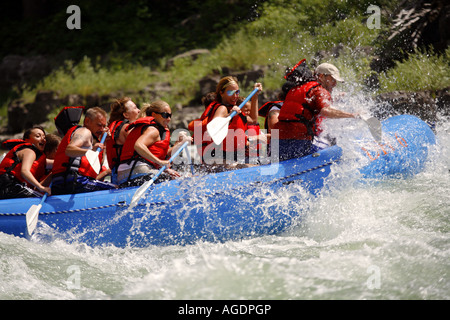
(165, 115)
(231, 92)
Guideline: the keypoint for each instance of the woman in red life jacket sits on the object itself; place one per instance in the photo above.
(23, 167)
(307, 101)
(147, 147)
(123, 112)
(72, 172)
(233, 146)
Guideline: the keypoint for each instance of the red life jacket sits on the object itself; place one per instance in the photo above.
(205, 118)
(113, 150)
(159, 149)
(64, 164)
(254, 130)
(198, 127)
(298, 117)
(12, 165)
(238, 124)
(265, 108)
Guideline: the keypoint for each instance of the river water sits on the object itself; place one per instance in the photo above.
(387, 240)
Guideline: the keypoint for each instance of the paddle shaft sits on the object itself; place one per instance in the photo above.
(102, 141)
(44, 197)
(143, 189)
(218, 127)
(244, 102)
(170, 160)
(189, 159)
(92, 156)
(32, 214)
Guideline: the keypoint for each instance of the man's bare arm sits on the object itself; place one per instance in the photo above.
(80, 143)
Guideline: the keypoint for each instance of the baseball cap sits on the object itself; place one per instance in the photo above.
(328, 68)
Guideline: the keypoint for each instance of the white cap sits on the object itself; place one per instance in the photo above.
(328, 68)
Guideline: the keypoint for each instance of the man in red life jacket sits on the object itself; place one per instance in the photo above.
(72, 172)
(307, 102)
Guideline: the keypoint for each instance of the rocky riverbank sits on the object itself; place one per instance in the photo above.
(413, 25)
(427, 105)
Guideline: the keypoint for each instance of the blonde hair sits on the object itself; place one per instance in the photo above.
(156, 106)
(223, 84)
(144, 108)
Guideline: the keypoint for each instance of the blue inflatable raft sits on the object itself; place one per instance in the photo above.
(216, 207)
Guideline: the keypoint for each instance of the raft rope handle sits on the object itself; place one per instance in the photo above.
(124, 204)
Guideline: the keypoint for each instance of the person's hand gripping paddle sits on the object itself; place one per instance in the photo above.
(142, 190)
(33, 214)
(218, 127)
(93, 158)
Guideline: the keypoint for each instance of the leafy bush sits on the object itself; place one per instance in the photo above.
(421, 71)
(87, 77)
(275, 33)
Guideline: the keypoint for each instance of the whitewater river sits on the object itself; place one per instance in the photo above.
(388, 240)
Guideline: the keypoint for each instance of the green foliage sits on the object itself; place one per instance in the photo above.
(127, 48)
(421, 71)
(87, 77)
(350, 32)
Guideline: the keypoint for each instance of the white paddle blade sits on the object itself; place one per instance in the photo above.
(32, 217)
(94, 160)
(218, 129)
(375, 128)
(140, 193)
